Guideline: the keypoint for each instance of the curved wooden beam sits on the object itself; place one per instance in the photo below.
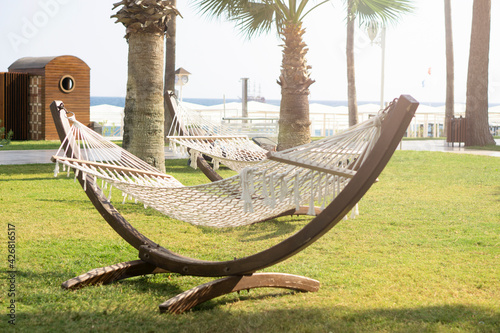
(197, 295)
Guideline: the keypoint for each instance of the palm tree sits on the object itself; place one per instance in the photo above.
(170, 46)
(255, 17)
(371, 13)
(351, 74)
(450, 65)
(476, 108)
(146, 23)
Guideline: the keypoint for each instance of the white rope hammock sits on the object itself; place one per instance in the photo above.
(203, 137)
(308, 175)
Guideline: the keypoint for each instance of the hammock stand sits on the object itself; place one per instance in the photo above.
(240, 273)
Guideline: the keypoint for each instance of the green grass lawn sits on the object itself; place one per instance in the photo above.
(490, 147)
(36, 145)
(32, 145)
(423, 256)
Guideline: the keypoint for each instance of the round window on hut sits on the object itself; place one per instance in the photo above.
(67, 83)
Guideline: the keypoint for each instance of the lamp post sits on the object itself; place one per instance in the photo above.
(373, 32)
(181, 79)
(244, 98)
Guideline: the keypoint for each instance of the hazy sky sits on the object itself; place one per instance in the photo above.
(218, 56)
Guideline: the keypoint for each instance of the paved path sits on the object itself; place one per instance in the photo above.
(43, 156)
(441, 145)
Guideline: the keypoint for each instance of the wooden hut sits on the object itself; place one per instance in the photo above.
(65, 78)
(14, 104)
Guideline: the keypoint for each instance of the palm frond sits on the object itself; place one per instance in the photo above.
(217, 8)
(303, 5)
(384, 11)
(251, 16)
(257, 16)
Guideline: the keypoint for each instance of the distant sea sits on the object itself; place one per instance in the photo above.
(120, 101)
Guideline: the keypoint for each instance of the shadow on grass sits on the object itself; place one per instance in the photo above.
(26, 179)
(345, 319)
(270, 229)
(68, 201)
(141, 317)
(280, 228)
(132, 306)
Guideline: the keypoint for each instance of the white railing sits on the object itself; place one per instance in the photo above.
(253, 127)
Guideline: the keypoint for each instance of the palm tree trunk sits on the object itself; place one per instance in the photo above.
(450, 65)
(144, 134)
(170, 64)
(294, 80)
(294, 120)
(476, 109)
(351, 75)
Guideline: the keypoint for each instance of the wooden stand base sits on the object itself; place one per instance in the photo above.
(109, 274)
(197, 295)
(190, 298)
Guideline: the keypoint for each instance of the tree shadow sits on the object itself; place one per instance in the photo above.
(143, 317)
(51, 308)
(83, 201)
(26, 179)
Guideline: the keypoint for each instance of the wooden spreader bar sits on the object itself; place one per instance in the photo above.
(208, 137)
(112, 167)
(334, 171)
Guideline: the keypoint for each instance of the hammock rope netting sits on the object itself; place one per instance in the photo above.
(308, 175)
(224, 144)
